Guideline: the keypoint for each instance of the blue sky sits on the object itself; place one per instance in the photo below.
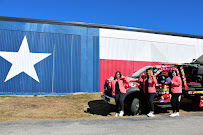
(180, 16)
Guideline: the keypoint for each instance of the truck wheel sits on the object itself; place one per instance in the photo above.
(135, 106)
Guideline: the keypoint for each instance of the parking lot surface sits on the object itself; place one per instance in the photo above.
(186, 124)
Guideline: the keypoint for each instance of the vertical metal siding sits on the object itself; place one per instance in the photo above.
(62, 71)
(92, 66)
(76, 58)
(89, 79)
(96, 64)
(83, 77)
(67, 64)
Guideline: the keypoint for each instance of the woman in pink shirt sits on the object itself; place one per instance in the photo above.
(118, 91)
(176, 89)
(149, 83)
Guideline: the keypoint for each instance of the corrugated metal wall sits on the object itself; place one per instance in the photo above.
(72, 66)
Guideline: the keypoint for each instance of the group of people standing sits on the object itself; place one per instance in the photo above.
(148, 83)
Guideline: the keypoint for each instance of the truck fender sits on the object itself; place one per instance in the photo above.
(132, 90)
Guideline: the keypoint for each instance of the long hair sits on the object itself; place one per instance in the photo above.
(175, 72)
(115, 77)
(170, 74)
(150, 71)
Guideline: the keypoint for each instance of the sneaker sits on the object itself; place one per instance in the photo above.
(174, 114)
(121, 113)
(150, 114)
(116, 115)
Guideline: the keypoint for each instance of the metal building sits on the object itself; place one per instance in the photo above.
(58, 57)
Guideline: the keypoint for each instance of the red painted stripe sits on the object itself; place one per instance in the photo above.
(108, 68)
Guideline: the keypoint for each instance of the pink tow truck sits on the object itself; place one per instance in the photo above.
(192, 84)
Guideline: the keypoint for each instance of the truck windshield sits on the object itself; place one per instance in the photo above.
(137, 73)
(200, 59)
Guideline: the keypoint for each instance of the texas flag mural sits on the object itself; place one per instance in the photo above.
(51, 57)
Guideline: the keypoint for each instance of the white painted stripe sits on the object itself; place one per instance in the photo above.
(147, 36)
(138, 46)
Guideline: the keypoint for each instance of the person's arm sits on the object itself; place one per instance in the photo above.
(177, 82)
(109, 84)
(154, 80)
(141, 79)
(124, 79)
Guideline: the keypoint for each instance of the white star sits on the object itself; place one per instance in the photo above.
(23, 61)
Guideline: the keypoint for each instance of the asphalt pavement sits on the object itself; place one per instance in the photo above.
(187, 124)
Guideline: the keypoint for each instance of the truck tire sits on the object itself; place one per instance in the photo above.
(135, 106)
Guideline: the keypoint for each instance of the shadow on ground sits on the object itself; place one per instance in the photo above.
(100, 107)
(186, 105)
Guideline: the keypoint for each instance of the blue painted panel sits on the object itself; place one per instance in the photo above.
(96, 72)
(92, 46)
(74, 67)
(90, 64)
(67, 64)
(22, 83)
(83, 78)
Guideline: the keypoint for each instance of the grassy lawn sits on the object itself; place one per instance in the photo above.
(20, 108)
(23, 108)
